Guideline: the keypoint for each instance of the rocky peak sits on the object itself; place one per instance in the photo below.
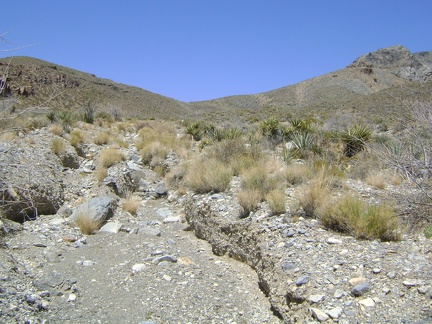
(400, 61)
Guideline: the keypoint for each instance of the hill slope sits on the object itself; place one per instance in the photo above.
(38, 83)
(372, 87)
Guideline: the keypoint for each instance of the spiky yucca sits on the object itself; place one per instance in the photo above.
(355, 139)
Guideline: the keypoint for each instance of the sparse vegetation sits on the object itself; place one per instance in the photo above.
(249, 200)
(58, 146)
(208, 176)
(110, 156)
(86, 224)
(276, 201)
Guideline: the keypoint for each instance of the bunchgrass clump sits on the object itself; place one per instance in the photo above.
(86, 224)
(360, 219)
(131, 204)
(208, 176)
(276, 201)
(56, 129)
(102, 138)
(317, 192)
(295, 174)
(77, 137)
(110, 156)
(58, 146)
(249, 200)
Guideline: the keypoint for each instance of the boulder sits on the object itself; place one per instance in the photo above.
(98, 209)
(30, 181)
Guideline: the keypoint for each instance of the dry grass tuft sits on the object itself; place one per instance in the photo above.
(101, 173)
(58, 146)
(102, 138)
(249, 200)
(276, 201)
(110, 156)
(295, 174)
(131, 204)
(317, 193)
(56, 129)
(208, 176)
(8, 136)
(77, 137)
(377, 180)
(87, 225)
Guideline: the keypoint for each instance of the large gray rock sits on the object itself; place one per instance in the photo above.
(98, 209)
(30, 181)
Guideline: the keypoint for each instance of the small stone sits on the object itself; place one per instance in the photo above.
(167, 258)
(335, 312)
(87, 263)
(386, 290)
(111, 227)
(338, 294)
(171, 219)
(356, 281)
(39, 245)
(287, 266)
(31, 299)
(319, 315)
(423, 290)
(166, 278)
(72, 297)
(302, 280)
(333, 240)
(360, 289)
(412, 282)
(368, 302)
(315, 298)
(157, 252)
(290, 233)
(391, 275)
(139, 267)
(43, 305)
(376, 270)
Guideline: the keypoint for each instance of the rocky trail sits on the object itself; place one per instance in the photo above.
(189, 258)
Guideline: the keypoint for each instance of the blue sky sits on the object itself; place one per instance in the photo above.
(194, 50)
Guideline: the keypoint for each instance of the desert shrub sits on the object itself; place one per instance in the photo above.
(317, 193)
(56, 129)
(270, 127)
(110, 156)
(194, 129)
(355, 139)
(51, 116)
(208, 176)
(428, 231)
(154, 154)
(276, 201)
(86, 224)
(58, 146)
(77, 137)
(249, 200)
(296, 173)
(364, 221)
(66, 119)
(37, 122)
(102, 138)
(259, 178)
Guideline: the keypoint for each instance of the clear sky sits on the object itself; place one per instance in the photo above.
(194, 50)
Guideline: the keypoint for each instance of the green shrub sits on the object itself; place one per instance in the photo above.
(194, 129)
(428, 231)
(270, 127)
(355, 139)
(364, 221)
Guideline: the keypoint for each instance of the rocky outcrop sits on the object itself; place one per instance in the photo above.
(400, 61)
(30, 181)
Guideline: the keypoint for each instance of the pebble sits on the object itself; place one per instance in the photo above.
(335, 312)
(315, 298)
(412, 282)
(167, 258)
(72, 297)
(333, 240)
(319, 315)
(139, 267)
(302, 280)
(368, 302)
(111, 227)
(360, 289)
(338, 294)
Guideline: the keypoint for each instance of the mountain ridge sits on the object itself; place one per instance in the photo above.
(395, 67)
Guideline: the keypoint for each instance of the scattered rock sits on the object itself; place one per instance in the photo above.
(319, 315)
(360, 289)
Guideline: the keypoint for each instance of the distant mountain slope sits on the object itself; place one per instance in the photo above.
(38, 83)
(373, 87)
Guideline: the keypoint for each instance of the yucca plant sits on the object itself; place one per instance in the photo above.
(270, 127)
(355, 139)
(194, 129)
